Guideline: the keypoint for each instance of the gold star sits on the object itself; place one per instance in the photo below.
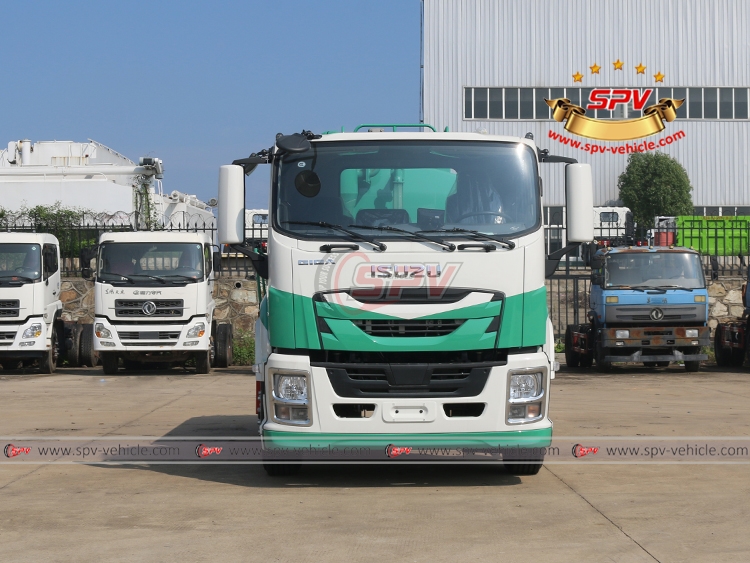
(577, 77)
(640, 68)
(595, 69)
(659, 77)
(618, 64)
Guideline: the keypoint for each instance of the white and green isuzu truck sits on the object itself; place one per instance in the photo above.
(406, 309)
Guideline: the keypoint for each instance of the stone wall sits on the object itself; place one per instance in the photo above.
(236, 301)
(724, 300)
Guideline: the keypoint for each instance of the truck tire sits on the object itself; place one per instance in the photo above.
(737, 358)
(587, 360)
(203, 362)
(88, 356)
(693, 365)
(74, 352)
(110, 362)
(572, 358)
(282, 469)
(223, 345)
(48, 363)
(723, 356)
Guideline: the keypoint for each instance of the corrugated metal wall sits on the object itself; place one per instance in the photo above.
(533, 43)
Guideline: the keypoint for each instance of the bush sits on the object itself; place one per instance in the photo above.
(244, 348)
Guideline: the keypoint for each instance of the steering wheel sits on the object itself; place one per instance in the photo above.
(486, 213)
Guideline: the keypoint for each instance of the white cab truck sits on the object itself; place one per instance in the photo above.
(154, 301)
(31, 329)
(406, 304)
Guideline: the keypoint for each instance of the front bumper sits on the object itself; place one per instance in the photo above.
(655, 344)
(13, 345)
(151, 338)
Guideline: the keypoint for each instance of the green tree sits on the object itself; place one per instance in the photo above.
(655, 184)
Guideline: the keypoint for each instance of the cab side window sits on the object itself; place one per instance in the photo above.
(207, 259)
(49, 260)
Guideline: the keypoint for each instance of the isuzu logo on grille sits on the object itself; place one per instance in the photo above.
(149, 308)
(656, 314)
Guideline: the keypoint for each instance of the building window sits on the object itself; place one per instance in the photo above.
(528, 103)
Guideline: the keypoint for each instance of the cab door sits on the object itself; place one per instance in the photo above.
(51, 280)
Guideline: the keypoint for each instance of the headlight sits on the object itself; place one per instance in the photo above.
(691, 333)
(197, 331)
(622, 334)
(101, 331)
(612, 299)
(525, 385)
(34, 331)
(290, 387)
(700, 298)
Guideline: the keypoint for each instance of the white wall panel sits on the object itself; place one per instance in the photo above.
(533, 43)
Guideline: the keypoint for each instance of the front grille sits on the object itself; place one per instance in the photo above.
(7, 336)
(145, 335)
(640, 313)
(9, 307)
(134, 307)
(408, 328)
(408, 380)
(152, 343)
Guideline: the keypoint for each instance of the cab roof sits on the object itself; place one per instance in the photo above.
(25, 238)
(645, 249)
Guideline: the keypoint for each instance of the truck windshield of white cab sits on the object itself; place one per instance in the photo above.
(20, 263)
(490, 187)
(150, 263)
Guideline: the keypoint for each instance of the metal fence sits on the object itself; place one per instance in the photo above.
(76, 236)
(567, 301)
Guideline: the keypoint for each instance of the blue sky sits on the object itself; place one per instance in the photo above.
(199, 84)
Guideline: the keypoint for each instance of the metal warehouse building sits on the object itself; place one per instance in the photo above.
(489, 64)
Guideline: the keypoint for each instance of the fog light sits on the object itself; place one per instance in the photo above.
(190, 343)
(691, 333)
(517, 411)
(299, 414)
(27, 343)
(196, 332)
(101, 331)
(619, 343)
(696, 342)
(532, 411)
(283, 412)
(34, 331)
(624, 334)
(105, 343)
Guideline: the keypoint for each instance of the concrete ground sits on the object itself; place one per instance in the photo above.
(623, 513)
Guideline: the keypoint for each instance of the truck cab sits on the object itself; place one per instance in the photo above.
(31, 328)
(648, 304)
(154, 301)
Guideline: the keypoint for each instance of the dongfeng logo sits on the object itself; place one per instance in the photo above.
(149, 308)
(656, 314)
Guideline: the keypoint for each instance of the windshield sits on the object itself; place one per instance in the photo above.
(150, 263)
(490, 187)
(20, 263)
(655, 269)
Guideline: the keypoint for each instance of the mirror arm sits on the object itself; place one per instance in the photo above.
(554, 258)
(260, 261)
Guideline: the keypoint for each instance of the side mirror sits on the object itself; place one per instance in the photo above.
(579, 199)
(231, 219)
(597, 263)
(86, 273)
(217, 261)
(597, 279)
(296, 142)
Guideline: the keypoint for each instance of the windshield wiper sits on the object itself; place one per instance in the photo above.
(648, 288)
(157, 278)
(675, 287)
(126, 278)
(377, 244)
(449, 246)
(510, 245)
(17, 278)
(189, 278)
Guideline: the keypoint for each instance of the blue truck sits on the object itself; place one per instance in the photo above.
(647, 304)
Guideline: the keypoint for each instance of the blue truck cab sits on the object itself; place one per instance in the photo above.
(647, 304)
